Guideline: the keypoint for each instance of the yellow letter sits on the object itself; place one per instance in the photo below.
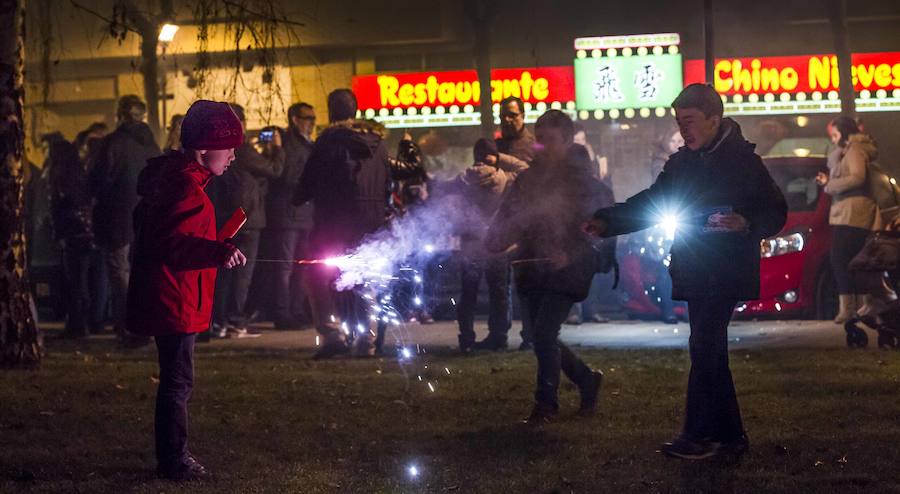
(789, 79)
(883, 75)
(463, 92)
(723, 85)
(541, 89)
(819, 72)
(406, 94)
(387, 89)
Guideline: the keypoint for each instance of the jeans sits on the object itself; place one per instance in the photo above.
(176, 383)
(248, 242)
(76, 271)
(118, 264)
(496, 274)
(290, 297)
(546, 312)
(712, 406)
(99, 289)
(233, 285)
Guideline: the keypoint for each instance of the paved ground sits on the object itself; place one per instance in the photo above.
(616, 334)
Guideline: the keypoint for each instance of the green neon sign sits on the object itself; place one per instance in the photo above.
(621, 82)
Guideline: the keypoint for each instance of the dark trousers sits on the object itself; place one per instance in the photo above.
(712, 406)
(496, 274)
(118, 265)
(846, 242)
(546, 312)
(176, 382)
(290, 297)
(76, 274)
(233, 285)
(99, 289)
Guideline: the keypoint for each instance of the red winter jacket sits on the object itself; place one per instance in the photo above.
(175, 251)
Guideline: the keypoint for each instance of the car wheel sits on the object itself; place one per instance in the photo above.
(826, 301)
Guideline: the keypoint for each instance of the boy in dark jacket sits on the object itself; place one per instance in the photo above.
(174, 272)
(347, 179)
(554, 262)
(726, 203)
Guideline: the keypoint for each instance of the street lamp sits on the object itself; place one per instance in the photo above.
(166, 35)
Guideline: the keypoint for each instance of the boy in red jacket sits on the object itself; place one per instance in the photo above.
(176, 255)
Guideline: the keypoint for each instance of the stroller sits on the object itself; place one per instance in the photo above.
(880, 254)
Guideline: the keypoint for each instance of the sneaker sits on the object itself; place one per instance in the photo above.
(573, 320)
(492, 343)
(689, 449)
(240, 333)
(526, 346)
(597, 318)
(186, 471)
(735, 448)
(590, 391)
(540, 416)
(219, 330)
(466, 342)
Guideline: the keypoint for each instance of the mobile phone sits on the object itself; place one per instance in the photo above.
(266, 135)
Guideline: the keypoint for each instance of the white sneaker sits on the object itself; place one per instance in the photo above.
(243, 333)
(219, 331)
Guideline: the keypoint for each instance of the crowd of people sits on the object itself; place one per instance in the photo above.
(141, 224)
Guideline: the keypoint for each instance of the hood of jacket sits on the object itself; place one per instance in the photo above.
(163, 178)
(360, 137)
(866, 144)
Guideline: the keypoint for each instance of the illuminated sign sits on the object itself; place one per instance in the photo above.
(452, 98)
(630, 41)
(801, 84)
(627, 82)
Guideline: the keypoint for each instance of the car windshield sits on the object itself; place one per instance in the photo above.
(798, 184)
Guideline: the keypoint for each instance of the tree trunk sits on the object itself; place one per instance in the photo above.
(481, 13)
(838, 18)
(709, 52)
(150, 71)
(19, 338)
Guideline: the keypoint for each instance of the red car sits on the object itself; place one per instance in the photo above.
(795, 275)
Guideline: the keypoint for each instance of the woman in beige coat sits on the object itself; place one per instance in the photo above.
(853, 213)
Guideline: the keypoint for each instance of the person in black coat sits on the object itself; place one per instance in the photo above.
(113, 181)
(289, 225)
(553, 260)
(70, 213)
(726, 203)
(347, 178)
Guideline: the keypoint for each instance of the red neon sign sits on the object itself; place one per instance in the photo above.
(432, 89)
(807, 73)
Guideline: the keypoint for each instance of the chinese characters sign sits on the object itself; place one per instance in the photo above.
(621, 82)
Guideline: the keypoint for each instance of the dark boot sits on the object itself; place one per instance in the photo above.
(494, 342)
(466, 342)
(334, 344)
(590, 392)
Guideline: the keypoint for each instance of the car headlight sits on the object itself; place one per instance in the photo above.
(779, 246)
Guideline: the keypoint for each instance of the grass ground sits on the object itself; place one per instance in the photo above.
(275, 421)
